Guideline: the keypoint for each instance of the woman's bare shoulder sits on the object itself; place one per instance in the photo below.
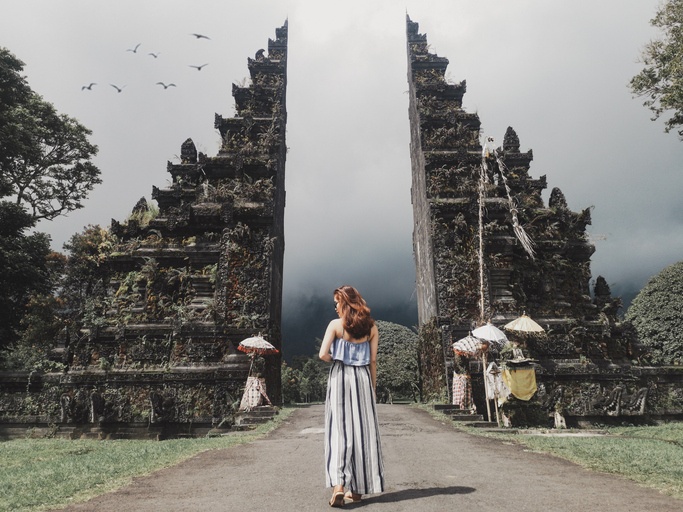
(336, 324)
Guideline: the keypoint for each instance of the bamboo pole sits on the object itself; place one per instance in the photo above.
(486, 386)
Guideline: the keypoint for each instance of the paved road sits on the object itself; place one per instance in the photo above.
(429, 467)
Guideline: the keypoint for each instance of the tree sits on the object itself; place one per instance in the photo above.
(290, 378)
(397, 362)
(45, 171)
(14, 90)
(661, 81)
(85, 275)
(23, 268)
(313, 382)
(45, 156)
(657, 315)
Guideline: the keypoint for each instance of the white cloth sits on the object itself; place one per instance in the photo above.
(495, 387)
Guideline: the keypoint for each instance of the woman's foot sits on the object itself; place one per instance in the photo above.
(337, 499)
(352, 496)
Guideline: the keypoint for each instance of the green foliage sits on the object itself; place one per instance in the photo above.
(38, 474)
(45, 163)
(650, 456)
(45, 171)
(313, 383)
(305, 381)
(23, 268)
(142, 217)
(397, 362)
(290, 378)
(14, 90)
(432, 363)
(657, 315)
(40, 328)
(85, 270)
(661, 80)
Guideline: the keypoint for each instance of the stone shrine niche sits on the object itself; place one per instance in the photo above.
(469, 271)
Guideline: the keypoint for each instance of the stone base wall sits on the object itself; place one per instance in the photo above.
(587, 394)
(120, 404)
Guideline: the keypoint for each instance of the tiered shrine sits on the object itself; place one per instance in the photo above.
(182, 286)
(487, 248)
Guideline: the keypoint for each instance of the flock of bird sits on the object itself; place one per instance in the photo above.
(155, 55)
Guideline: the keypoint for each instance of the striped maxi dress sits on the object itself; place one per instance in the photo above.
(353, 453)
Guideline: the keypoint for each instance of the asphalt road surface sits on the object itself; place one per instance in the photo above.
(429, 466)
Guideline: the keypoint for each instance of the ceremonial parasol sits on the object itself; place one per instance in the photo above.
(468, 346)
(257, 345)
(523, 324)
(491, 333)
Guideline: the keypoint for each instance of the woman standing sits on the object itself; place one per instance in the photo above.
(353, 455)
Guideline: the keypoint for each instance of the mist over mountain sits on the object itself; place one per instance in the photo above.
(305, 319)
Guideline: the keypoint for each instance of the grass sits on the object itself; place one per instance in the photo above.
(651, 456)
(37, 474)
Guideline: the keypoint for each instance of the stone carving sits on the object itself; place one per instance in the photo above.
(96, 408)
(188, 152)
(553, 400)
(557, 199)
(65, 408)
(635, 403)
(511, 140)
(609, 402)
(162, 407)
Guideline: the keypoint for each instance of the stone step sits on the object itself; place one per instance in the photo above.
(467, 417)
(255, 416)
(252, 420)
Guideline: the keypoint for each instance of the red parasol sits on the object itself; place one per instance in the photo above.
(257, 345)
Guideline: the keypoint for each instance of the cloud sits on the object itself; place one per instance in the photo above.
(556, 72)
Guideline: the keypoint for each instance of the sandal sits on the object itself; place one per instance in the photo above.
(352, 496)
(337, 499)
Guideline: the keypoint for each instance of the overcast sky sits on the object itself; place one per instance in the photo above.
(557, 72)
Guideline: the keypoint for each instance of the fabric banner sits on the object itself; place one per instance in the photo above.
(495, 387)
(521, 381)
(254, 394)
(462, 391)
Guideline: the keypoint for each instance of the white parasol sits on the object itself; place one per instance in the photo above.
(523, 324)
(490, 333)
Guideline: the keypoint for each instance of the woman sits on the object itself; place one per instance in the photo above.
(353, 455)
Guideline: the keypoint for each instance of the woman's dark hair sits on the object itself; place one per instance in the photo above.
(354, 312)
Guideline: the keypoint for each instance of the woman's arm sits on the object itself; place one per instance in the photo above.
(374, 343)
(330, 336)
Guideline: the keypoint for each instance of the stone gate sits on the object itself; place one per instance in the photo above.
(180, 289)
(487, 248)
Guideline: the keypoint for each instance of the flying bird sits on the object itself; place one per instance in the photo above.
(199, 68)
(166, 86)
(118, 89)
(89, 87)
(155, 55)
(200, 36)
(134, 50)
